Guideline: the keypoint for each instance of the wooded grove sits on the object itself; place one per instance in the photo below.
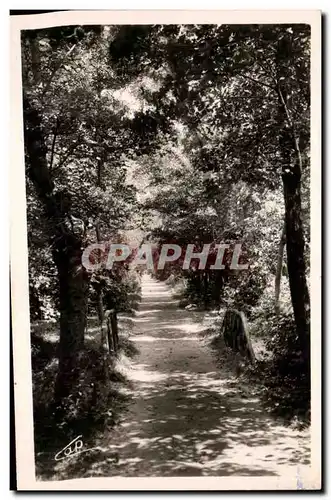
(181, 134)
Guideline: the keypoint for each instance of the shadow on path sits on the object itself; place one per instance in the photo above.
(188, 415)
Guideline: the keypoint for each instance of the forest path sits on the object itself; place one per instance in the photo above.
(188, 416)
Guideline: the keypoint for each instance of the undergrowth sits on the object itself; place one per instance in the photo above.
(95, 403)
(280, 371)
(283, 372)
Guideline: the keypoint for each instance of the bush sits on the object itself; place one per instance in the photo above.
(284, 372)
(244, 291)
(94, 403)
(121, 290)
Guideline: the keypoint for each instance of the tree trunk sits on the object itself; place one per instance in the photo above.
(196, 282)
(295, 260)
(67, 251)
(205, 288)
(99, 292)
(218, 285)
(295, 245)
(279, 269)
(100, 311)
(73, 308)
(291, 177)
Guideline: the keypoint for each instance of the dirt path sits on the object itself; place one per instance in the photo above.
(188, 416)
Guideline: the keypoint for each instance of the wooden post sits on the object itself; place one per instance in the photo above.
(112, 331)
(235, 332)
(109, 337)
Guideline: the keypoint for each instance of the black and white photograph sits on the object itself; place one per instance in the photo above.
(166, 271)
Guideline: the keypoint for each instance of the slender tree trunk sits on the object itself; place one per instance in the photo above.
(99, 294)
(295, 260)
(279, 269)
(99, 291)
(100, 310)
(205, 288)
(218, 285)
(197, 283)
(35, 58)
(291, 177)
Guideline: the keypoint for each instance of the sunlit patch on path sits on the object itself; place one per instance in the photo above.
(188, 415)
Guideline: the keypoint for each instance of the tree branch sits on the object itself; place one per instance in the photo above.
(65, 157)
(258, 82)
(53, 143)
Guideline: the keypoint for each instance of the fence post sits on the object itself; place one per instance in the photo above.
(109, 337)
(112, 331)
(114, 328)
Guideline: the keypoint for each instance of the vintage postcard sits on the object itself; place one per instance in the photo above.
(165, 249)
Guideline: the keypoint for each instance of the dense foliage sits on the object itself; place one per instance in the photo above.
(170, 134)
